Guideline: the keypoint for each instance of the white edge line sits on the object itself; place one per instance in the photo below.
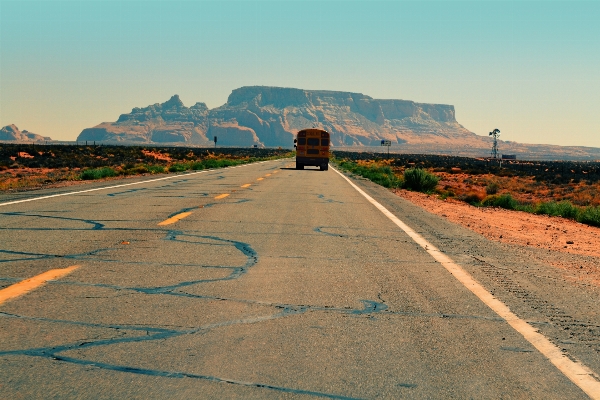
(128, 184)
(577, 372)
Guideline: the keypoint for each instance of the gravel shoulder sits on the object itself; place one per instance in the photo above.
(578, 243)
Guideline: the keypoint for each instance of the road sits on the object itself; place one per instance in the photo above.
(262, 281)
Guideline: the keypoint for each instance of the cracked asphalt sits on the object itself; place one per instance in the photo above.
(292, 287)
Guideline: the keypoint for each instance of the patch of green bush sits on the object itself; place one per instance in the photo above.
(98, 173)
(383, 176)
(419, 180)
(178, 167)
(504, 201)
(212, 163)
(156, 169)
(590, 216)
(196, 166)
(561, 209)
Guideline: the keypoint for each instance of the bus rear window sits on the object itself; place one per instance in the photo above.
(324, 142)
(313, 141)
(312, 151)
(301, 141)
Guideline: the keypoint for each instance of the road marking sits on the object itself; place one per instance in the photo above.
(221, 196)
(27, 285)
(174, 218)
(126, 184)
(260, 179)
(268, 175)
(247, 185)
(577, 372)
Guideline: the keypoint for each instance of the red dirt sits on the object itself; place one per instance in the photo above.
(521, 228)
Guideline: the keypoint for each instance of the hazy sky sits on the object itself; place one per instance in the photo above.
(530, 69)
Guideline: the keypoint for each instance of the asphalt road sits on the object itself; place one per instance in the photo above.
(266, 282)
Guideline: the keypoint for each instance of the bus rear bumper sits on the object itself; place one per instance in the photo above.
(316, 161)
(322, 162)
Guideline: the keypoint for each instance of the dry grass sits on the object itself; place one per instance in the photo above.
(32, 178)
(525, 190)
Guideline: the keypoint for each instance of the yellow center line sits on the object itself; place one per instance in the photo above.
(221, 196)
(27, 285)
(268, 175)
(175, 218)
(246, 185)
(275, 172)
(260, 179)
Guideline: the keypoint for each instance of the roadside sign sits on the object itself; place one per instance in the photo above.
(387, 143)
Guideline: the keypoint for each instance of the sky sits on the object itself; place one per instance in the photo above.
(530, 69)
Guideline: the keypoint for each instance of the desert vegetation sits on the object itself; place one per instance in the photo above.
(558, 188)
(26, 166)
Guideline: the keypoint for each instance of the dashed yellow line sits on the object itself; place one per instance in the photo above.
(247, 185)
(260, 179)
(27, 285)
(268, 175)
(221, 196)
(174, 218)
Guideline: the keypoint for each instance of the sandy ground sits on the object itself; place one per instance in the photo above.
(523, 229)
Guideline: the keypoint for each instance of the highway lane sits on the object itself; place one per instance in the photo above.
(250, 282)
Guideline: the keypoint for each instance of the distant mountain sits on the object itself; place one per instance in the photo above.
(271, 116)
(12, 133)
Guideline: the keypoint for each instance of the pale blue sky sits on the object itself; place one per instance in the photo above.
(531, 69)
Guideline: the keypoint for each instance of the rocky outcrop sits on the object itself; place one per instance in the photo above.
(169, 122)
(276, 114)
(270, 116)
(12, 133)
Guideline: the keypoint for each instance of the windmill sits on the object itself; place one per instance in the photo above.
(495, 133)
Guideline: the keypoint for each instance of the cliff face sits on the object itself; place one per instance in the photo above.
(169, 122)
(12, 133)
(270, 116)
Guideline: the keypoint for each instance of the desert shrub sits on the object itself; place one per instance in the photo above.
(471, 197)
(492, 188)
(505, 201)
(98, 173)
(419, 180)
(138, 169)
(444, 194)
(212, 163)
(530, 208)
(383, 176)
(590, 216)
(197, 166)
(156, 169)
(178, 167)
(561, 209)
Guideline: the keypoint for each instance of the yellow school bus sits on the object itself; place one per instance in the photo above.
(312, 148)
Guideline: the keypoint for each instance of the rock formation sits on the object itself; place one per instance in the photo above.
(169, 122)
(270, 116)
(12, 133)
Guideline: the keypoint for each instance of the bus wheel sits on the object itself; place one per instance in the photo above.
(324, 167)
(299, 166)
